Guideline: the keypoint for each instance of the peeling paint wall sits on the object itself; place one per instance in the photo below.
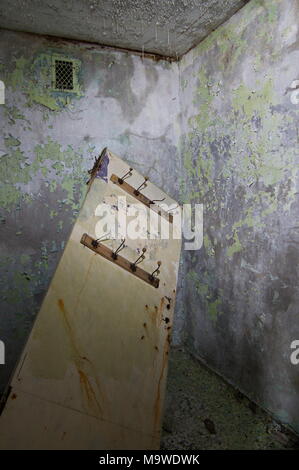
(240, 153)
(48, 143)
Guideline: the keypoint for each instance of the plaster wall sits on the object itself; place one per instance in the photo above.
(241, 159)
(48, 143)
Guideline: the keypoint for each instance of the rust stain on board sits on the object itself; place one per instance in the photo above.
(89, 391)
(68, 327)
(157, 405)
(155, 314)
(78, 357)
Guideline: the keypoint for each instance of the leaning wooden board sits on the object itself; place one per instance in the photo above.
(93, 372)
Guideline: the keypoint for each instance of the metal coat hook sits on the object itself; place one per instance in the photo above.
(95, 243)
(143, 185)
(127, 175)
(156, 272)
(138, 260)
(121, 246)
(157, 200)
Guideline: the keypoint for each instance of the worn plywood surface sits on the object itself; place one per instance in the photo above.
(96, 360)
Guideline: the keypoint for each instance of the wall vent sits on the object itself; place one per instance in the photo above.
(65, 74)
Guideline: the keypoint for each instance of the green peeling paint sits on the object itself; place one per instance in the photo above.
(18, 171)
(240, 147)
(203, 289)
(213, 309)
(235, 247)
(35, 79)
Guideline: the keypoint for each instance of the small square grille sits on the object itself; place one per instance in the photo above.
(64, 79)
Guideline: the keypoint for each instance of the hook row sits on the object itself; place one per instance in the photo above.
(133, 267)
(143, 185)
(139, 260)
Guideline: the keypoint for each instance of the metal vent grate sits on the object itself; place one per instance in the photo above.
(64, 78)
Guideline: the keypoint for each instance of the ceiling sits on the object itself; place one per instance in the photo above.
(165, 27)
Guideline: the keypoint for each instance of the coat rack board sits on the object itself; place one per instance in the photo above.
(93, 372)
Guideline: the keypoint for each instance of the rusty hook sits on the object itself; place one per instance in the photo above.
(138, 260)
(121, 246)
(156, 272)
(95, 243)
(143, 185)
(127, 175)
(157, 200)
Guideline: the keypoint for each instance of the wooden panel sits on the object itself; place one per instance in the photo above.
(44, 425)
(100, 343)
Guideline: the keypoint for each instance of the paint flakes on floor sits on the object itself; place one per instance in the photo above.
(203, 412)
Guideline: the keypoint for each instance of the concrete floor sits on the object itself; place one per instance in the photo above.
(204, 412)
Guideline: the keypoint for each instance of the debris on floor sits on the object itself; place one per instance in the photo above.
(203, 412)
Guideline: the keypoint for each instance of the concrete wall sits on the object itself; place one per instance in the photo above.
(238, 138)
(48, 142)
(240, 152)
